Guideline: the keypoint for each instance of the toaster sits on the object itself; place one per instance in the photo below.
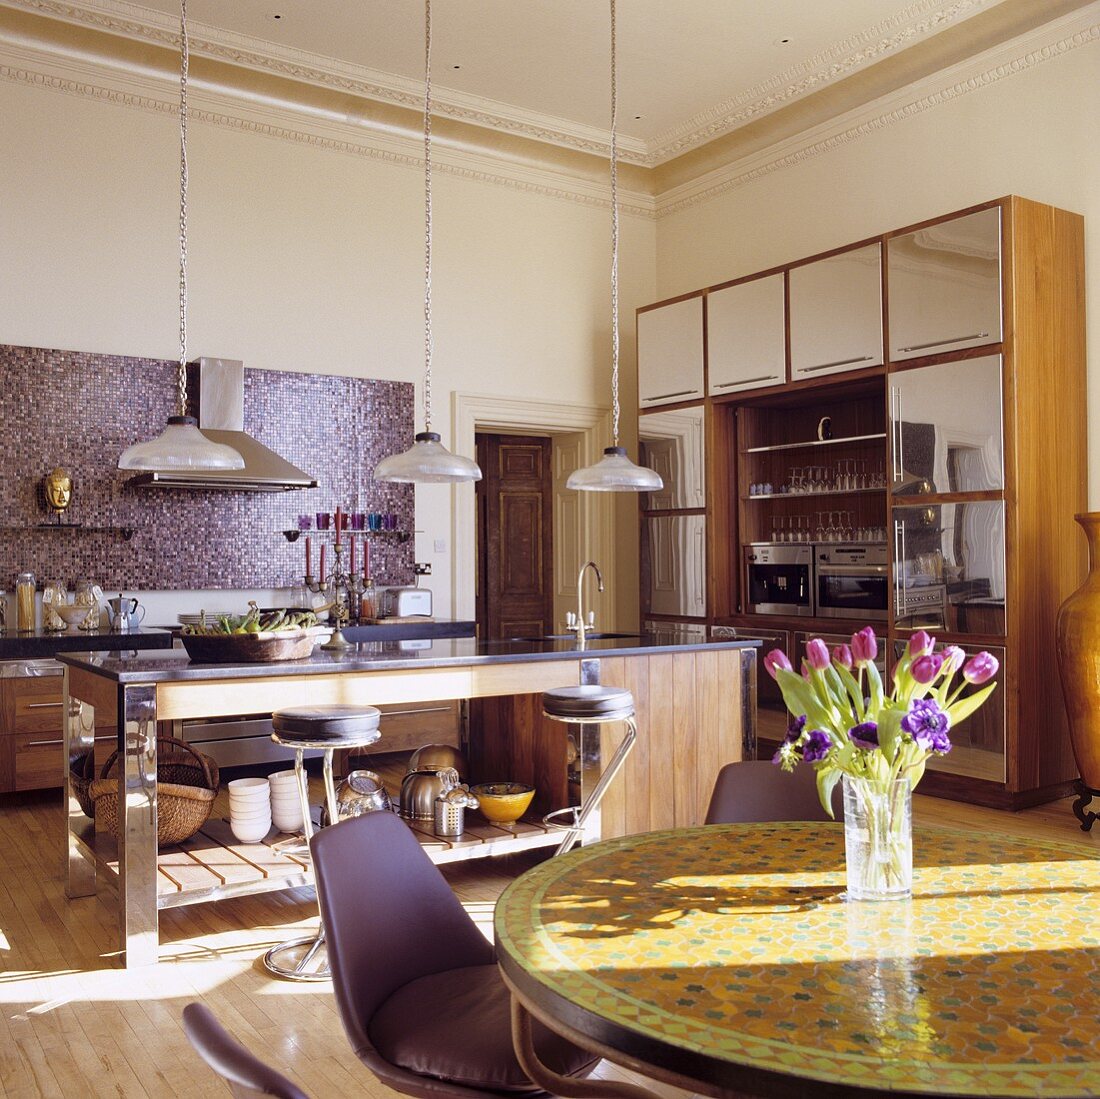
(404, 602)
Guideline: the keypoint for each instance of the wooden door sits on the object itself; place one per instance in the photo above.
(515, 593)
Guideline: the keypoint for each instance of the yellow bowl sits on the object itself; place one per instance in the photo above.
(503, 802)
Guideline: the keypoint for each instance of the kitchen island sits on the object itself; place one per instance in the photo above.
(695, 711)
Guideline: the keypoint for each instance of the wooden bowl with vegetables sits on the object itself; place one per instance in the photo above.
(254, 638)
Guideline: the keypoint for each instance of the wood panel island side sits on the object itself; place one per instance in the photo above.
(696, 710)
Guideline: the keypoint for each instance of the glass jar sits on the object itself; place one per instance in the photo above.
(368, 604)
(25, 584)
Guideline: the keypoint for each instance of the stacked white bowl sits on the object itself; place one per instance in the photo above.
(286, 802)
(249, 809)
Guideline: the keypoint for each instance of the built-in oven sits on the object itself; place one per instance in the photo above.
(779, 579)
(851, 580)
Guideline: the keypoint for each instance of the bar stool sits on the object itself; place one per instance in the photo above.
(306, 728)
(589, 705)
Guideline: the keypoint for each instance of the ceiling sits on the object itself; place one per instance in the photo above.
(688, 73)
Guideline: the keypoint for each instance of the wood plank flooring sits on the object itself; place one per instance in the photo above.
(74, 1023)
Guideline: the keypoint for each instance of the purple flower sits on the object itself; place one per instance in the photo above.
(926, 668)
(927, 724)
(817, 654)
(864, 646)
(920, 643)
(980, 668)
(953, 659)
(817, 746)
(842, 655)
(794, 730)
(777, 658)
(864, 735)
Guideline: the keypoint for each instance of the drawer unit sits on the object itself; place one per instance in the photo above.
(34, 703)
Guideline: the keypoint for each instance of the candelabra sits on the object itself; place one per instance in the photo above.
(344, 604)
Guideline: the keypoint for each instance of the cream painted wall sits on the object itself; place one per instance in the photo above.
(1030, 134)
(307, 259)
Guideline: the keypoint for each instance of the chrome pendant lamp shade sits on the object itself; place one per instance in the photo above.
(614, 472)
(181, 445)
(427, 461)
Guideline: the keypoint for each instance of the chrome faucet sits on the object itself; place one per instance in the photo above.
(580, 624)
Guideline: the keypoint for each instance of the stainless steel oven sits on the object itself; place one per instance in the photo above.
(779, 579)
(851, 581)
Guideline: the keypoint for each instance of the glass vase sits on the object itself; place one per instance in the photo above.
(878, 839)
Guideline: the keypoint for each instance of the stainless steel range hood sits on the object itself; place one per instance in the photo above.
(221, 419)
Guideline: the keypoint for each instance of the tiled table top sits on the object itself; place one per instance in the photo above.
(725, 951)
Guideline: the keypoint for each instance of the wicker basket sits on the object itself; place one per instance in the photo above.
(81, 776)
(187, 783)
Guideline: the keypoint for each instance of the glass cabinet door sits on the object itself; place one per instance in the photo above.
(672, 443)
(978, 743)
(949, 568)
(946, 427)
(945, 286)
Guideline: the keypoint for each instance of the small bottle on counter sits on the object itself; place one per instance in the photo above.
(25, 584)
(368, 604)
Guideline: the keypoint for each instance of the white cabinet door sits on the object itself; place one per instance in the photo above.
(670, 353)
(746, 336)
(836, 313)
(945, 286)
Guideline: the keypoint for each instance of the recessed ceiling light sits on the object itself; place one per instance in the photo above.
(276, 17)
(637, 118)
(456, 66)
(782, 42)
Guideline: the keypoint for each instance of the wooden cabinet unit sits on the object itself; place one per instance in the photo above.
(957, 465)
(670, 353)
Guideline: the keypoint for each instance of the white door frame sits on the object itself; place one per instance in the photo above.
(473, 412)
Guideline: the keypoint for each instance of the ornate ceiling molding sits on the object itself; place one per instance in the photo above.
(1044, 44)
(920, 19)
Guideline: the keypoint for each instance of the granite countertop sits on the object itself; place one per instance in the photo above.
(376, 656)
(396, 631)
(45, 645)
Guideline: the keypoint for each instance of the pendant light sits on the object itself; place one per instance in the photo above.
(181, 446)
(614, 472)
(427, 461)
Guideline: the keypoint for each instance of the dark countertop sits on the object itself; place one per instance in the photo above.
(396, 631)
(44, 645)
(376, 656)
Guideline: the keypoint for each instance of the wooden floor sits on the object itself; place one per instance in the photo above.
(74, 1023)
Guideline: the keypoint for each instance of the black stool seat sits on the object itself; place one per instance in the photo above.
(327, 725)
(588, 703)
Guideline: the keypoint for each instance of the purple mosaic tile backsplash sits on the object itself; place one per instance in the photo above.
(80, 411)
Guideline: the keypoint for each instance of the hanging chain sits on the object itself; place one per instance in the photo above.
(185, 57)
(428, 344)
(614, 242)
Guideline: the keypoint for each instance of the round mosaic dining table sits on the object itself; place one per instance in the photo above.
(727, 960)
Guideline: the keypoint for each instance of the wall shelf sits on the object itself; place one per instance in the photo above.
(126, 533)
(397, 535)
(812, 495)
(811, 443)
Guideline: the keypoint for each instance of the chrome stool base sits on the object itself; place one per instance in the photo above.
(328, 728)
(589, 705)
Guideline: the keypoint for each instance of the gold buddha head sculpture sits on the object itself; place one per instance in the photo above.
(58, 487)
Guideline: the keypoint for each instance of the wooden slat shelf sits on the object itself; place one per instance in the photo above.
(808, 443)
(213, 864)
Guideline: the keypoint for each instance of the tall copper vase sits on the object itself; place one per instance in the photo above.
(1079, 663)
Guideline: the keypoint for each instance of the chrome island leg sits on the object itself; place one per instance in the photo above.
(137, 840)
(78, 734)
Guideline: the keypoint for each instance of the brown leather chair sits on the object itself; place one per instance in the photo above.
(759, 790)
(247, 1075)
(421, 998)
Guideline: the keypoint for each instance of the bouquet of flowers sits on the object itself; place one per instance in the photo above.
(846, 724)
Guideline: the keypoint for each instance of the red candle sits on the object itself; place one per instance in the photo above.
(366, 559)
(309, 570)
(322, 576)
(338, 524)
(351, 555)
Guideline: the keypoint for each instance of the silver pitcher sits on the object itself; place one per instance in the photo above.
(124, 613)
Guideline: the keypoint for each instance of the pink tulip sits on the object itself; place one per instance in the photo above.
(980, 668)
(925, 668)
(817, 654)
(953, 659)
(864, 646)
(920, 643)
(777, 658)
(842, 655)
